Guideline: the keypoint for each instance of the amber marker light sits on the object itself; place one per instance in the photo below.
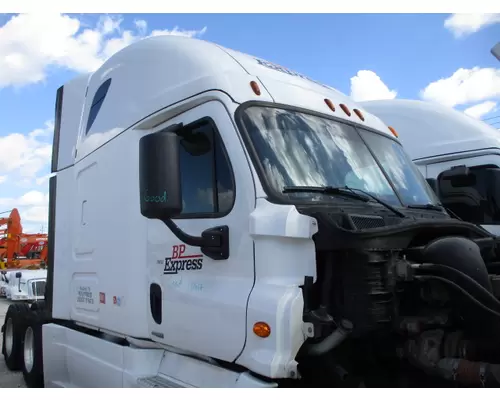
(261, 329)
(393, 131)
(330, 104)
(359, 114)
(255, 87)
(345, 109)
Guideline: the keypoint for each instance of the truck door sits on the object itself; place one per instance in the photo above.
(197, 303)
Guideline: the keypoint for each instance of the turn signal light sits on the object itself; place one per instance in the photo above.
(262, 329)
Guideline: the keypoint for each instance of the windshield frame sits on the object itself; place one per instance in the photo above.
(280, 198)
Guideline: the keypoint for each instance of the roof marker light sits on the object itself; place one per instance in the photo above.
(330, 104)
(345, 109)
(359, 114)
(255, 87)
(393, 131)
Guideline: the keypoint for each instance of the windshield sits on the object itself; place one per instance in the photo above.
(298, 149)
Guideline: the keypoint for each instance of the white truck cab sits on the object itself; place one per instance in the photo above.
(279, 235)
(4, 283)
(459, 153)
(26, 285)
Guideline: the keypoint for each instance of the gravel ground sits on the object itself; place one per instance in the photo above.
(8, 379)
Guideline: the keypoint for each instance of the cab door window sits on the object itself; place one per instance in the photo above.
(206, 175)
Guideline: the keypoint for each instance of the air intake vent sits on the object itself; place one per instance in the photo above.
(360, 222)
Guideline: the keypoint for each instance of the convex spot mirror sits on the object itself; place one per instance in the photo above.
(159, 175)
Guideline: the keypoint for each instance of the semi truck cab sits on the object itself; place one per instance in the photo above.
(279, 234)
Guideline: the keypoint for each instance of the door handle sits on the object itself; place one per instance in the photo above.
(155, 302)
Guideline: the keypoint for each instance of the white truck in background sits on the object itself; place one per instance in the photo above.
(4, 283)
(459, 155)
(24, 285)
(280, 237)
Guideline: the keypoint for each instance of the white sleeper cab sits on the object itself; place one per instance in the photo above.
(458, 154)
(279, 236)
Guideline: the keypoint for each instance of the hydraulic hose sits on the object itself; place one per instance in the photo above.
(460, 289)
(333, 340)
(483, 292)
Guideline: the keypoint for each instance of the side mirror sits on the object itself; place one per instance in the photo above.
(19, 274)
(459, 176)
(159, 175)
(161, 191)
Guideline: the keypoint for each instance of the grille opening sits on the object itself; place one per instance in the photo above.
(38, 288)
(366, 221)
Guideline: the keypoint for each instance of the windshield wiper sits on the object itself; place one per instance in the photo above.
(427, 206)
(343, 191)
(381, 202)
(325, 190)
(437, 207)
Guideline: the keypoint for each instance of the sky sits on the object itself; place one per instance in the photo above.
(442, 58)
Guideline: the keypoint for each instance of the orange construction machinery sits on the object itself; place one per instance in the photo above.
(15, 244)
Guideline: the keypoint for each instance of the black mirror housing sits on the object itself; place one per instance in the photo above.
(19, 274)
(459, 176)
(159, 175)
(161, 190)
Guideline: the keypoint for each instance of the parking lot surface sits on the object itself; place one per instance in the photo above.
(8, 379)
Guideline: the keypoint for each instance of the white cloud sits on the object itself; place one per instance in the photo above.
(33, 206)
(31, 43)
(3, 178)
(465, 86)
(141, 26)
(367, 85)
(25, 155)
(178, 32)
(31, 198)
(465, 24)
(481, 109)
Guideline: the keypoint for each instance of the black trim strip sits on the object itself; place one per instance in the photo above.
(49, 286)
(57, 129)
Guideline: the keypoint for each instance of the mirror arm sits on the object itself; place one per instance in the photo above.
(196, 241)
(213, 242)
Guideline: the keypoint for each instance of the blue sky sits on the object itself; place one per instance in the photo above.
(435, 57)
